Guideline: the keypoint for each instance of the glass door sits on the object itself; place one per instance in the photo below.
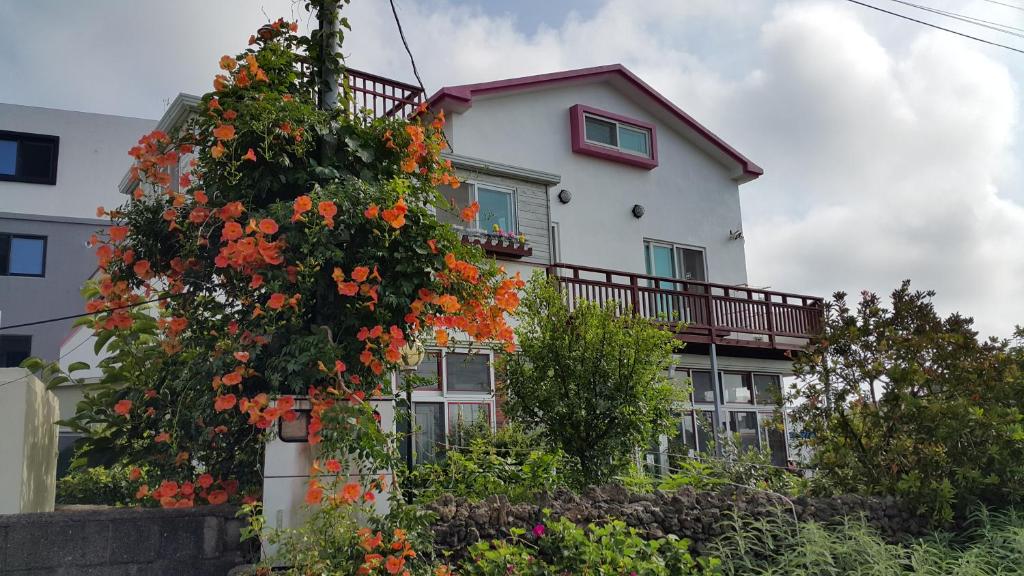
(661, 262)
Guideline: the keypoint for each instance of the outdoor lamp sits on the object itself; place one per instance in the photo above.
(412, 354)
(564, 196)
(638, 210)
(296, 430)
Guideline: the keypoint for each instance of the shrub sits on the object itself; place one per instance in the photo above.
(592, 379)
(113, 486)
(561, 547)
(903, 402)
(484, 469)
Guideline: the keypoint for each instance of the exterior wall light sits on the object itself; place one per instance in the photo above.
(638, 211)
(564, 196)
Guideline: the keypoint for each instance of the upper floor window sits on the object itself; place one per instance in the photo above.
(22, 255)
(28, 157)
(613, 137)
(624, 137)
(497, 207)
(14, 350)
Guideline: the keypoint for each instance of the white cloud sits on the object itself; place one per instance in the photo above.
(888, 147)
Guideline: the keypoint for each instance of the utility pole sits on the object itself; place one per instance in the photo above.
(330, 85)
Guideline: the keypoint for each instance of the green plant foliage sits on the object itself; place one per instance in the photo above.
(561, 547)
(992, 544)
(492, 464)
(903, 402)
(111, 486)
(592, 380)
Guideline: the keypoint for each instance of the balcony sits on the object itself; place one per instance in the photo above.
(383, 97)
(700, 312)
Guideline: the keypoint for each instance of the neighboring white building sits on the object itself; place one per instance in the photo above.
(56, 167)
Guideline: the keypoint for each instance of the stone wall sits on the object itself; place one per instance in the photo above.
(688, 514)
(121, 542)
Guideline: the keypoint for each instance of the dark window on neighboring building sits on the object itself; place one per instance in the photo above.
(468, 372)
(22, 255)
(28, 157)
(14, 350)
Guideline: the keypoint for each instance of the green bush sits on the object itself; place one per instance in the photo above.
(111, 486)
(483, 469)
(560, 547)
(593, 380)
(992, 544)
(900, 401)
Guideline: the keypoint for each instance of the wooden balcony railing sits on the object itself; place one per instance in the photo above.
(380, 96)
(700, 311)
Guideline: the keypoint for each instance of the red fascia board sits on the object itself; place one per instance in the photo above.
(460, 98)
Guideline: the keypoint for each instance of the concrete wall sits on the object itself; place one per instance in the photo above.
(28, 443)
(91, 160)
(121, 542)
(69, 263)
(689, 198)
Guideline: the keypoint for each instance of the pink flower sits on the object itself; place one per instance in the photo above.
(538, 530)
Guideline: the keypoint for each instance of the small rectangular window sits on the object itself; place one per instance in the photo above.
(22, 255)
(601, 131)
(464, 414)
(429, 369)
(429, 432)
(619, 135)
(736, 389)
(497, 209)
(14, 350)
(28, 158)
(767, 389)
(702, 390)
(634, 140)
(745, 425)
(467, 372)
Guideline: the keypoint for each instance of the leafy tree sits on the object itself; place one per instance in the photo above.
(901, 401)
(593, 380)
(291, 250)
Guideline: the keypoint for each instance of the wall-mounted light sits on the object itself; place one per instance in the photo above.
(638, 211)
(564, 196)
(736, 234)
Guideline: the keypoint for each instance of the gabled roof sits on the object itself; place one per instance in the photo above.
(460, 99)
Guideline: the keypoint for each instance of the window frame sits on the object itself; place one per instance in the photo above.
(470, 393)
(582, 145)
(19, 137)
(449, 404)
(11, 338)
(5, 244)
(474, 196)
(677, 265)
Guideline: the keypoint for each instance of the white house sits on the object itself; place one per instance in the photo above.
(623, 197)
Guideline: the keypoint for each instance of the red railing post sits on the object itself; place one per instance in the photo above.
(634, 293)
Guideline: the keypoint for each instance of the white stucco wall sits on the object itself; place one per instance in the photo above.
(689, 198)
(28, 443)
(91, 160)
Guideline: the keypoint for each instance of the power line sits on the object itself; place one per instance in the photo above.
(412, 60)
(1015, 7)
(937, 27)
(1004, 28)
(84, 314)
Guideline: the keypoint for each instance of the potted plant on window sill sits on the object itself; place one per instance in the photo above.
(499, 242)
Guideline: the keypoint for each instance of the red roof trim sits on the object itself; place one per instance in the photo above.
(462, 97)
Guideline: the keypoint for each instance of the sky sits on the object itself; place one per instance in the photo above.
(891, 150)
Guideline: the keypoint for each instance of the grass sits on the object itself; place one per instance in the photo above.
(992, 544)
